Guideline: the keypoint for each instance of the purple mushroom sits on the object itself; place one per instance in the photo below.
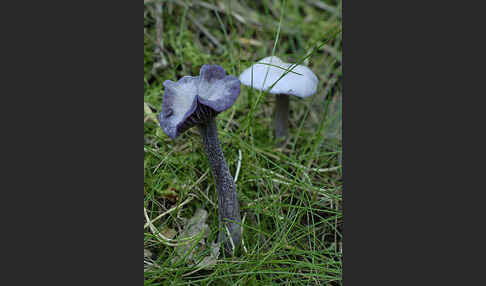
(196, 101)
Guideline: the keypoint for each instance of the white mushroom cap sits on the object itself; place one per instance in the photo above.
(302, 84)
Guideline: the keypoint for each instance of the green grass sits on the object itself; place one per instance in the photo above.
(290, 197)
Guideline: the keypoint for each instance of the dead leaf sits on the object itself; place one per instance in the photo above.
(168, 232)
(147, 253)
(208, 262)
(148, 113)
(194, 226)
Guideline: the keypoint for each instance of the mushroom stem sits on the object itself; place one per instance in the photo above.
(281, 119)
(229, 210)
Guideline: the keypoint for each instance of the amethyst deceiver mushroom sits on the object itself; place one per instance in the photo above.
(196, 101)
(300, 81)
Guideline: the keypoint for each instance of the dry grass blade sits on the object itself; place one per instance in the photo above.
(168, 241)
(150, 222)
(238, 166)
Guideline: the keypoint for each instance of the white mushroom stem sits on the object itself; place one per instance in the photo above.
(229, 209)
(281, 119)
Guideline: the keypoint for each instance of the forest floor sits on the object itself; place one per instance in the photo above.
(291, 196)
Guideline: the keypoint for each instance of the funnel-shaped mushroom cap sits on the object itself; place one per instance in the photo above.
(195, 99)
(300, 81)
